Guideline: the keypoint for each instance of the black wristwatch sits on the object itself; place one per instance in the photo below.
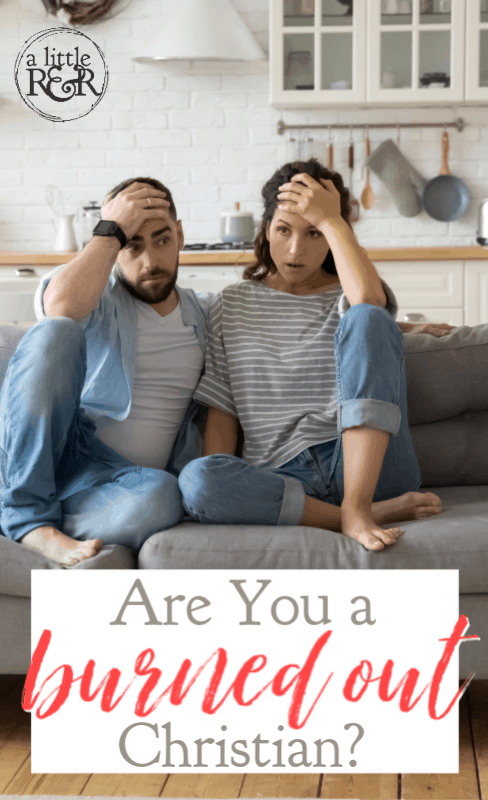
(107, 227)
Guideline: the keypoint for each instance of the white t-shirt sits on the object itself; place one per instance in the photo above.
(168, 365)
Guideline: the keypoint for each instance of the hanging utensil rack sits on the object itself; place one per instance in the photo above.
(458, 123)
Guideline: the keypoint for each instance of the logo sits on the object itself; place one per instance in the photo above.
(61, 74)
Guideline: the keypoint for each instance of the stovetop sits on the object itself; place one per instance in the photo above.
(220, 246)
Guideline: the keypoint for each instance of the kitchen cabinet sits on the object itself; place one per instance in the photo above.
(17, 288)
(476, 282)
(430, 291)
(477, 50)
(208, 279)
(409, 40)
(377, 51)
(317, 52)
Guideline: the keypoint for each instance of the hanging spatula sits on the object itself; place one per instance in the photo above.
(352, 200)
(330, 164)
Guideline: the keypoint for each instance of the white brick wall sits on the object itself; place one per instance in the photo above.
(208, 131)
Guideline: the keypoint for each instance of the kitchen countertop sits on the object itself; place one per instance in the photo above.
(235, 257)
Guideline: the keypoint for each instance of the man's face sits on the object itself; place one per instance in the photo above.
(149, 261)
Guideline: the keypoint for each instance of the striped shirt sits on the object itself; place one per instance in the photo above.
(270, 362)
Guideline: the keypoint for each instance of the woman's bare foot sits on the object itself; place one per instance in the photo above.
(412, 505)
(55, 545)
(360, 525)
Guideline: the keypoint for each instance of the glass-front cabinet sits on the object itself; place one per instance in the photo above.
(477, 50)
(416, 51)
(337, 52)
(317, 51)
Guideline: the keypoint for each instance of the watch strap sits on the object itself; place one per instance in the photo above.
(110, 228)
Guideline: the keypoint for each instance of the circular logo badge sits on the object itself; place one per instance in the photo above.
(61, 74)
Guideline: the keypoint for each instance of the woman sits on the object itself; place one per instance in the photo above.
(306, 357)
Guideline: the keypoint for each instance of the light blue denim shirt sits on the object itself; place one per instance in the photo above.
(111, 347)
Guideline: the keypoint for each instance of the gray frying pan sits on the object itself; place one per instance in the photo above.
(445, 197)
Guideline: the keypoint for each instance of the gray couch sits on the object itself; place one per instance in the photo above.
(447, 383)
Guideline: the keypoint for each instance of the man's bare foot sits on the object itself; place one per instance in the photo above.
(360, 525)
(55, 545)
(412, 505)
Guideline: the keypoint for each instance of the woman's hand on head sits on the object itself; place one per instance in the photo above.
(315, 201)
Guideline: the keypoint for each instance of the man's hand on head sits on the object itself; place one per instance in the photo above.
(133, 206)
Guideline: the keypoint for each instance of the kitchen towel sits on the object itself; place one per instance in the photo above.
(403, 182)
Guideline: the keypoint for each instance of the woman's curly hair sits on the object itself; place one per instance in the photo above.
(264, 265)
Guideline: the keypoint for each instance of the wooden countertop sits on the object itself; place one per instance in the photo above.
(187, 258)
(223, 258)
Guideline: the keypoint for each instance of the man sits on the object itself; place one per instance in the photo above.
(96, 418)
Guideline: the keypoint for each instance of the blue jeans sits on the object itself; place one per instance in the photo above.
(370, 391)
(53, 468)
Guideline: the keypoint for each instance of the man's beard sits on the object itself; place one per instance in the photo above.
(155, 293)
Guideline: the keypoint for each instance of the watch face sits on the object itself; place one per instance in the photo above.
(105, 226)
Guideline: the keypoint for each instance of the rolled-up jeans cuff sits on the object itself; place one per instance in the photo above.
(377, 414)
(293, 501)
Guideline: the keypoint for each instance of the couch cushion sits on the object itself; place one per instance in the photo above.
(15, 636)
(453, 451)
(17, 561)
(446, 376)
(455, 539)
(10, 336)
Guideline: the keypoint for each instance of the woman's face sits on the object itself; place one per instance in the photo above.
(297, 248)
